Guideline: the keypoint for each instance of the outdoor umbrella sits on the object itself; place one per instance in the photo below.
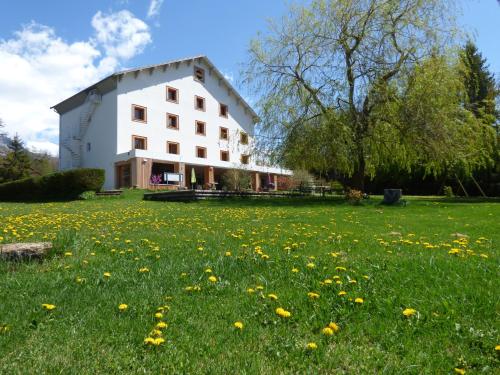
(193, 177)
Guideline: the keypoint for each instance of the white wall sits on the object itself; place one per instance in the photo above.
(101, 134)
(149, 90)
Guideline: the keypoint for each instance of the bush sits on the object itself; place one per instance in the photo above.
(60, 185)
(236, 179)
(354, 196)
(448, 192)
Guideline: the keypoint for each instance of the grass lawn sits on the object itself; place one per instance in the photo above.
(201, 267)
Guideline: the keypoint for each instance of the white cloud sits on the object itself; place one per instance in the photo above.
(154, 8)
(121, 35)
(39, 69)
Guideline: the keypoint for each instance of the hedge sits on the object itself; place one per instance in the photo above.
(56, 186)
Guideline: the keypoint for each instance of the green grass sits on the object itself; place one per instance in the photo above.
(399, 257)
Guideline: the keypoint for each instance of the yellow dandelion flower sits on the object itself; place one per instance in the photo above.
(161, 325)
(158, 341)
(334, 327)
(158, 315)
(212, 279)
(295, 270)
(250, 290)
(328, 282)
(409, 312)
(327, 331)
(274, 297)
(313, 295)
(122, 307)
(312, 346)
(143, 269)
(283, 313)
(359, 300)
(460, 371)
(259, 287)
(310, 265)
(238, 325)
(149, 341)
(208, 270)
(107, 274)
(48, 306)
(228, 253)
(497, 348)
(342, 293)
(68, 254)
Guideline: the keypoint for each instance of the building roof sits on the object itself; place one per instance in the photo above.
(109, 83)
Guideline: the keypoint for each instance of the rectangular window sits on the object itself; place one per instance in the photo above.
(200, 127)
(224, 155)
(199, 103)
(223, 133)
(139, 143)
(139, 113)
(172, 121)
(201, 152)
(173, 148)
(223, 110)
(199, 74)
(89, 146)
(245, 159)
(172, 95)
(243, 138)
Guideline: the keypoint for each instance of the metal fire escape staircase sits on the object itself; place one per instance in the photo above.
(73, 142)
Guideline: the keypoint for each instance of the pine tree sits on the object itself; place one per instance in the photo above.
(17, 163)
(480, 84)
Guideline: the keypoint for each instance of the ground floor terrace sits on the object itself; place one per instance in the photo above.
(146, 173)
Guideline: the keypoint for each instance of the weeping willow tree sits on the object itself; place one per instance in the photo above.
(358, 86)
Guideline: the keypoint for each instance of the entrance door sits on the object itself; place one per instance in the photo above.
(123, 176)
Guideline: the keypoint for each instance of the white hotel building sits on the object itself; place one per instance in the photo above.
(162, 121)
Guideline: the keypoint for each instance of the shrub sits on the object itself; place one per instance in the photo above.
(354, 196)
(59, 185)
(448, 192)
(236, 179)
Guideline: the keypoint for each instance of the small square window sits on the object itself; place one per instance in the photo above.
(224, 155)
(245, 159)
(199, 74)
(244, 138)
(172, 121)
(199, 103)
(200, 128)
(223, 110)
(173, 148)
(172, 95)
(224, 133)
(139, 113)
(201, 152)
(139, 143)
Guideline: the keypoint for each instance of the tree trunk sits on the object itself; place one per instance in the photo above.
(357, 181)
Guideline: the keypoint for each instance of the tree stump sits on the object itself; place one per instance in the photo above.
(24, 251)
(392, 196)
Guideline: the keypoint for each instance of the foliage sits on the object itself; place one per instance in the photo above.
(159, 257)
(342, 83)
(87, 195)
(236, 179)
(16, 164)
(354, 196)
(448, 191)
(301, 179)
(481, 87)
(60, 185)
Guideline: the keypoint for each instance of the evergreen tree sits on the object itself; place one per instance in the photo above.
(479, 84)
(17, 163)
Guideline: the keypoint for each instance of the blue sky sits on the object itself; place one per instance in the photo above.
(50, 49)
